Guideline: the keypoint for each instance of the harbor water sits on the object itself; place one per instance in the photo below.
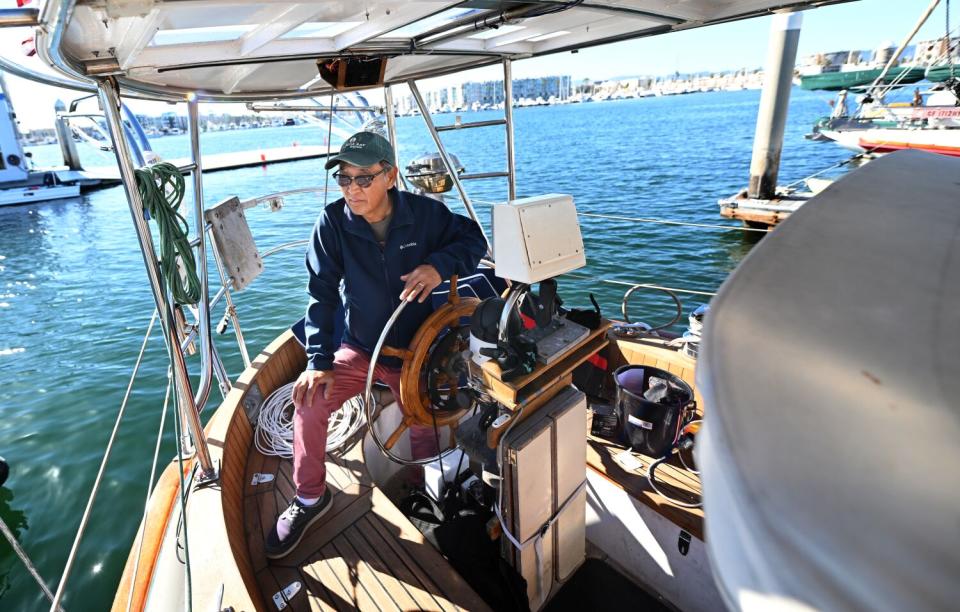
(74, 302)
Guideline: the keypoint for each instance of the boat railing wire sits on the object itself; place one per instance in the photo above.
(141, 534)
(611, 281)
(715, 226)
(25, 558)
(268, 199)
(55, 605)
(729, 228)
(859, 156)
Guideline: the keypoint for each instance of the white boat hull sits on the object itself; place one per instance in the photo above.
(27, 195)
(646, 546)
(887, 140)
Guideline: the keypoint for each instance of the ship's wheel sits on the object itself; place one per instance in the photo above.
(429, 378)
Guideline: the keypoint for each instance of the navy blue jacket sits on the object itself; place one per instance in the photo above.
(343, 248)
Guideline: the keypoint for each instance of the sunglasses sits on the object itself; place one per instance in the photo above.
(363, 180)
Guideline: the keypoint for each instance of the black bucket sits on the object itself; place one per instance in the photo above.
(651, 427)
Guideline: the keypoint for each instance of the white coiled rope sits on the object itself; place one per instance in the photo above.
(275, 423)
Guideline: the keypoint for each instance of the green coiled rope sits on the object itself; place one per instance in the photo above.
(161, 188)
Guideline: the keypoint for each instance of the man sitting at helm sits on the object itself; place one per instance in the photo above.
(370, 249)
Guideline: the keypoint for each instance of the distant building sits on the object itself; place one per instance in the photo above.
(544, 87)
(488, 92)
(491, 92)
(170, 122)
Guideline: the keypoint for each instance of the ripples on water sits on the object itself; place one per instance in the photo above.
(74, 303)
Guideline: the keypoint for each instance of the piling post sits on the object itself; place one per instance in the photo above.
(71, 159)
(772, 116)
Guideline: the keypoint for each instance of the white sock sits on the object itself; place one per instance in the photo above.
(308, 501)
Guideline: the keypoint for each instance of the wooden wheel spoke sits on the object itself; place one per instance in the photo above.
(415, 400)
(454, 296)
(403, 354)
(395, 436)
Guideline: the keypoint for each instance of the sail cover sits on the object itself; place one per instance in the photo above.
(830, 370)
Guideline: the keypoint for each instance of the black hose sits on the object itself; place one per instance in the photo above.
(651, 478)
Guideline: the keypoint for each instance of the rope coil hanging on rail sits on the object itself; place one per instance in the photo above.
(161, 188)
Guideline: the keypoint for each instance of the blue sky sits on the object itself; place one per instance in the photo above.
(865, 24)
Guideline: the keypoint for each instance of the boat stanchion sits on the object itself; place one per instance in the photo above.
(108, 92)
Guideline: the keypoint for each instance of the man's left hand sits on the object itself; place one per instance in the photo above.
(420, 283)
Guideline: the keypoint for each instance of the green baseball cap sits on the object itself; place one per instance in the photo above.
(363, 149)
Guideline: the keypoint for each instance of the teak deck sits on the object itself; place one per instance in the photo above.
(364, 554)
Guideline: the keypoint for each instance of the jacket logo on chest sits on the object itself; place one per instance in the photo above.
(409, 244)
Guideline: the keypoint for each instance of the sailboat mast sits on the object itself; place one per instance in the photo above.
(903, 45)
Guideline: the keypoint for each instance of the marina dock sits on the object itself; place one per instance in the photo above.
(107, 176)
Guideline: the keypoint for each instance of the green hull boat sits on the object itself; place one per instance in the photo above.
(835, 81)
(942, 73)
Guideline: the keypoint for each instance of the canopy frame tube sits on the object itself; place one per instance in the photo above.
(108, 92)
(451, 167)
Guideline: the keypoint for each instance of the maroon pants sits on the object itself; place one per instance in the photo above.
(310, 423)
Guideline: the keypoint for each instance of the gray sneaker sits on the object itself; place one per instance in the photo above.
(293, 523)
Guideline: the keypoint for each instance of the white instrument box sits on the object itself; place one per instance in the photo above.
(537, 238)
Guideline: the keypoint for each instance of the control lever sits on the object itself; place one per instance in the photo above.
(543, 306)
(516, 358)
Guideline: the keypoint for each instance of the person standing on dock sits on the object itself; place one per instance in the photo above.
(370, 249)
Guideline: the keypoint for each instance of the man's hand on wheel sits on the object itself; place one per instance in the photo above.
(420, 283)
(308, 384)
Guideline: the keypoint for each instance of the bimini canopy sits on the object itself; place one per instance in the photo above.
(249, 49)
(830, 369)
